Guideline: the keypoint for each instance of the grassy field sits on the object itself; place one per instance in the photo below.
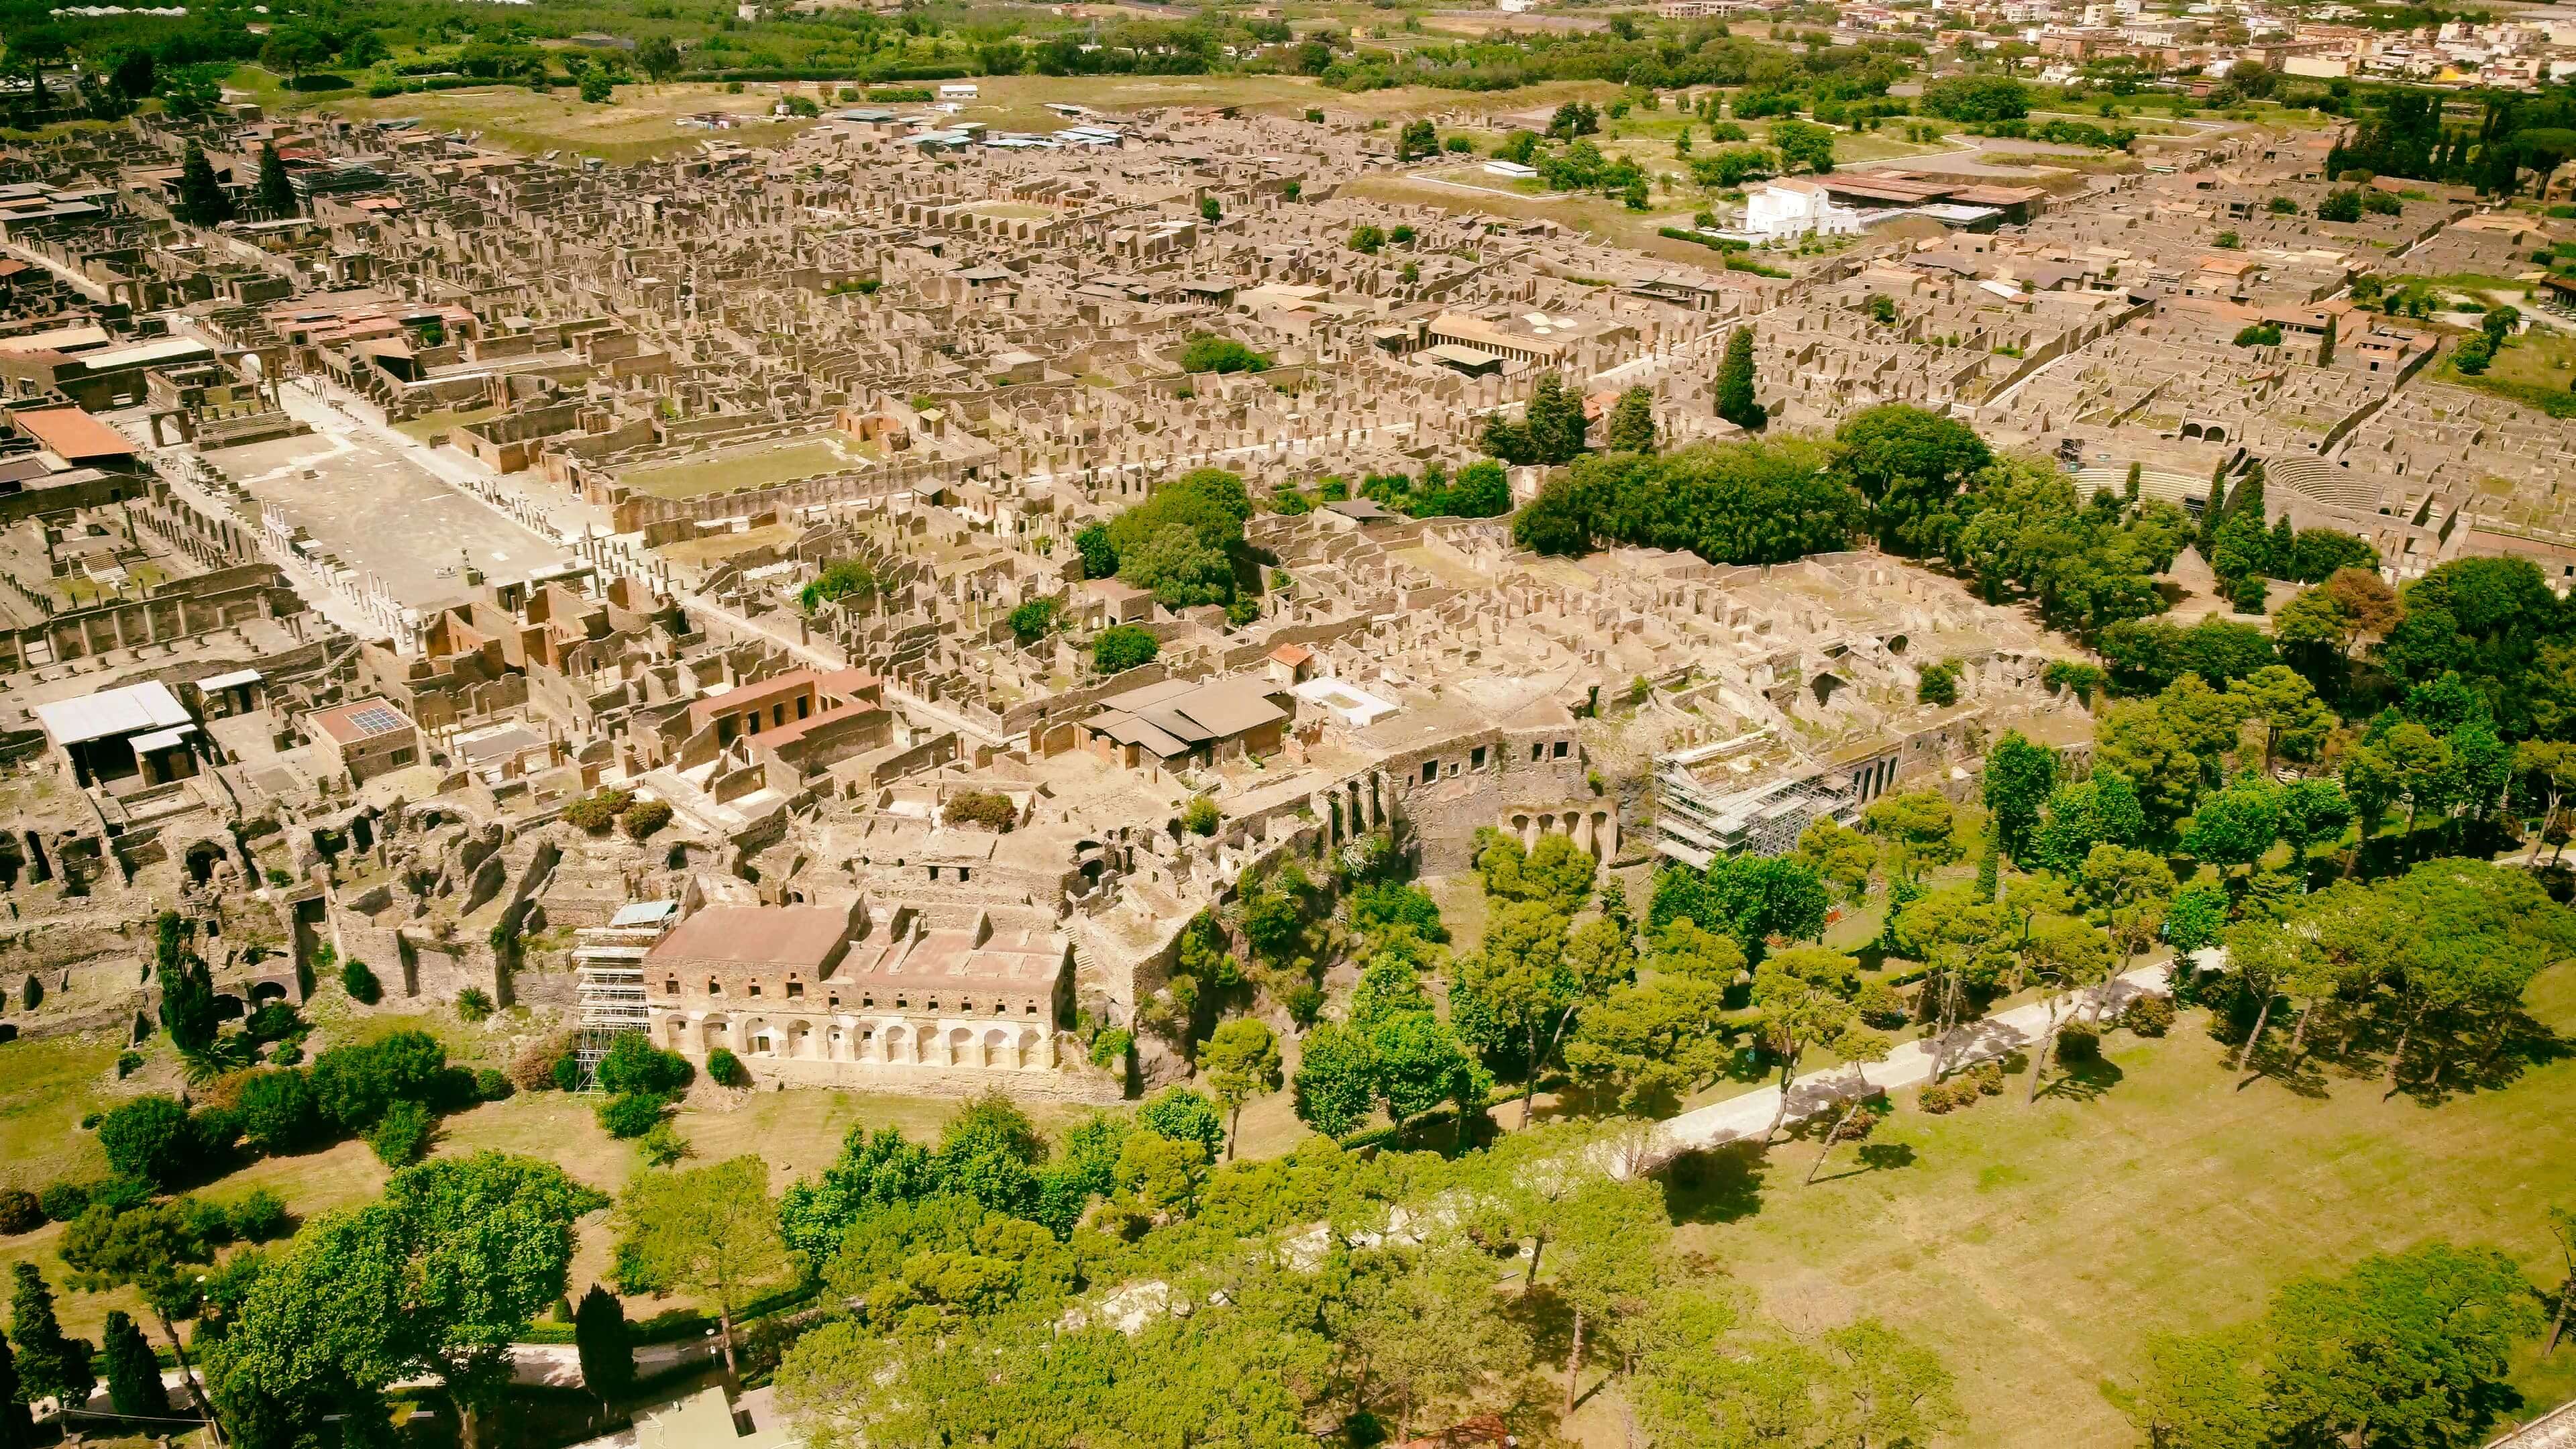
(641, 124)
(2534, 370)
(2037, 1248)
(751, 468)
(55, 1083)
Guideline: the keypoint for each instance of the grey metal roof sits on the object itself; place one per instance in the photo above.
(132, 710)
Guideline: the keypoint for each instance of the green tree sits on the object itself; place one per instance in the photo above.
(152, 1138)
(2235, 826)
(1920, 829)
(1632, 422)
(1241, 1060)
(1859, 1048)
(17, 1426)
(1419, 138)
(1803, 995)
(2061, 956)
(275, 194)
(1420, 1064)
(658, 58)
(295, 48)
(2406, 1350)
(1609, 1242)
(50, 1364)
(709, 1230)
(1122, 647)
(2204, 1392)
(2019, 779)
(1735, 401)
(1555, 420)
(153, 1249)
(1803, 147)
(134, 1384)
(1336, 1081)
(600, 1334)
(188, 1008)
(1909, 464)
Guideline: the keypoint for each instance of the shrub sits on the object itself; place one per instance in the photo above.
(662, 1145)
(258, 1217)
(726, 1070)
(403, 1134)
(20, 1212)
(360, 982)
(127, 1064)
(2078, 1042)
(644, 817)
(1939, 684)
(150, 1138)
(2149, 1015)
(1109, 1049)
(1882, 1006)
(1943, 1098)
(635, 1065)
(62, 1201)
(492, 1086)
(474, 1005)
(988, 808)
(356, 1084)
(597, 813)
(273, 1022)
(207, 1221)
(1208, 352)
(533, 1069)
(1305, 1002)
(631, 1114)
(567, 1073)
(1123, 647)
(279, 1111)
(120, 1194)
(1989, 1077)
(1200, 816)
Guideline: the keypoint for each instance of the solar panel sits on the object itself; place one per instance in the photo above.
(375, 719)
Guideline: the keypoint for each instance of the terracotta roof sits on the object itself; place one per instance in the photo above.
(73, 433)
(799, 936)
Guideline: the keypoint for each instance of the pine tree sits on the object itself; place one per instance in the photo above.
(1735, 401)
(133, 1372)
(1632, 422)
(599, 1332)
(51, 1365)
(1555, 420)
(202, 201)
(188, 1009)
(17, 1426)
(274, 193)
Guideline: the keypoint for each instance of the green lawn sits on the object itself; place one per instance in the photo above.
(2038, 1247)
(749, 468)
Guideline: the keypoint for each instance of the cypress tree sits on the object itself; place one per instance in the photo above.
(133, 1373)
(52, 1365)
(274, 192)
(599, 1332)
(17, 1426)
(1989, 869)
(2285, 550)
(202, 201)
(1735, 401)
(188, 1010)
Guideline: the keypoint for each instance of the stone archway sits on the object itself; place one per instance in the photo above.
(997, 1049)
(201, 860)
(899, 1044)
(961, 1045)
(799, 1040)
(713, 1032)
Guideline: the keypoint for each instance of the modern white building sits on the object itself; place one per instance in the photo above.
(1787, 210)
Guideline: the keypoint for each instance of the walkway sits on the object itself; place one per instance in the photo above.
(1747, 1118)
(2553, 1430)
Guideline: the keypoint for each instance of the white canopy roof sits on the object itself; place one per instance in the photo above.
(132, 710)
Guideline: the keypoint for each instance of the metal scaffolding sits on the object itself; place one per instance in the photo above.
(609, 964)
